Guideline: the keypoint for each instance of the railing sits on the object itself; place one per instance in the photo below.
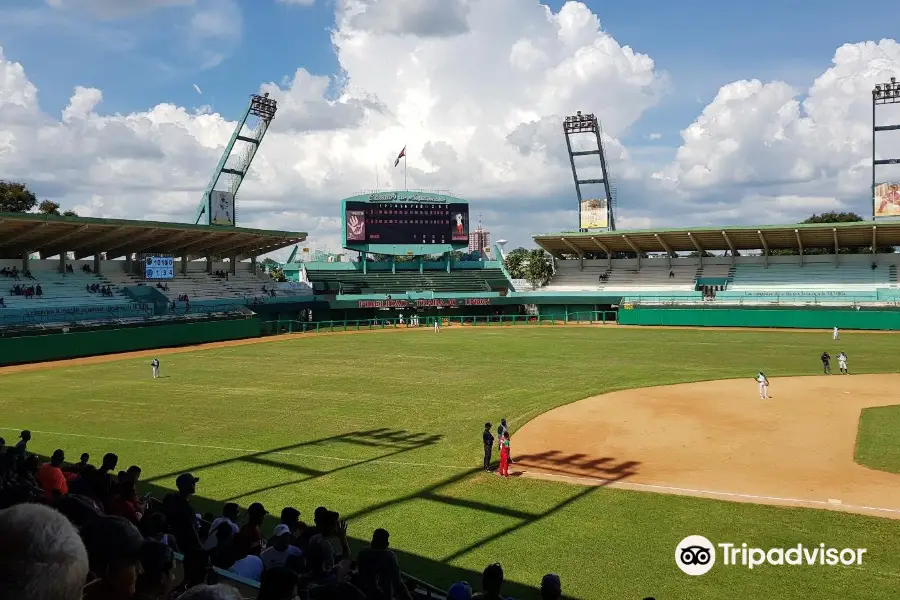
(750, 300)
(582, 317)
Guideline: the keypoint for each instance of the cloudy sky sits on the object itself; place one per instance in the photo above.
(712, 112)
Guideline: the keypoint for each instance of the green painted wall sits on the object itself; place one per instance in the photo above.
(58, 346)
(845, 318)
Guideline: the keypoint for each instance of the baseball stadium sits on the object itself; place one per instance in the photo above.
(630, 376)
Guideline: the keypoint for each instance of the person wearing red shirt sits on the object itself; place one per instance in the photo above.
(51, 477)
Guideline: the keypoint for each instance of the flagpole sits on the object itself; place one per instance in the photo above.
(376, 177)
(405, 188)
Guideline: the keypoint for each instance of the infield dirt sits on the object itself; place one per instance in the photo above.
(718, 439)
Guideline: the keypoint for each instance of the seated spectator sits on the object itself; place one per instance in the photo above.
(125, 503)
(82, 462)
(231, 512)
(38, 291)
(460, 591)
(28, 275)
(290, 516)
(157, 580)
(41, 555)
(491, 583)
(379, 570)
(248, 566)
(278, 583)
(281, 549)
(222, 553)
(51, 477)
(2, 303)
(156, 528)
(211, 592)
(134, 473)
(114, 551)
(551, 587)
(249, 539)
(80, 510)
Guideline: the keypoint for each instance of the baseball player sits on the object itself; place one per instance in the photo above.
(826, 362)
(763, 385)
(437, 324)
(842, 363)
(834, 334)
(155, 364)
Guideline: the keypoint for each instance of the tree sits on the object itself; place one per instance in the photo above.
(515, 263)
(48, 207)
(15, 197)
(538, 269)
(833, 217)
(696, 254)
(70, 213)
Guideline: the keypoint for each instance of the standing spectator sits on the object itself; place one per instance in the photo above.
(82, 463)
(41, 555)
(134, 473)
(104, 480)
(180, 514)
(21, 446)
(158, 578)
(379, 571)
(491, 583)
(231, 512)
(488, 440)
(114, 551)
(319, 517)
(290, 516)
(333, 539)
(281, 549)
(51, 477)
(551, 587)
(249, 540)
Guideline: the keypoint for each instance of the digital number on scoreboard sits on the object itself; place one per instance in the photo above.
(159, 267)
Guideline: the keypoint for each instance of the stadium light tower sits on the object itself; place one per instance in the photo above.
(597, 211)
(235, 164)
(886, 195)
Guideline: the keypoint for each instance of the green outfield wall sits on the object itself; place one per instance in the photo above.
(797, 318)
(58, 346)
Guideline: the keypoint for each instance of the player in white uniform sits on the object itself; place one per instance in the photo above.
(834, 335)
(155, 364)
(401, 318)
(763, 385)
(842, 363)
(437, 324)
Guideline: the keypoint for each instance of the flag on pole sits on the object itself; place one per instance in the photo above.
(399, 156)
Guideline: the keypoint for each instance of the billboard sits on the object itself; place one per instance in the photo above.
(221, 208)
(159, 267)
(593, 214)
(404, 223)
(887, 200)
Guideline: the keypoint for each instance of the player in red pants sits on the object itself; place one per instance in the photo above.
(504, 455)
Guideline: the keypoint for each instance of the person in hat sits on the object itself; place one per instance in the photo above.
(488, 441)
(181, 516)
(280, 549)
(114, 552)
(551, 587)
(157, 580)
(460, 591)
(249, 540)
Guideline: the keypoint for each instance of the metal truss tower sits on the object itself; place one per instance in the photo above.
(240, 151)
(588, 124)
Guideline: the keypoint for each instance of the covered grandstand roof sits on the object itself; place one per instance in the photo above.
(51, 234)
(692, 239)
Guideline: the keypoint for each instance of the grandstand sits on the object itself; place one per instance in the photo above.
(349, 278)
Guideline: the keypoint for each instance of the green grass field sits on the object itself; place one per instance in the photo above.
(386, 429)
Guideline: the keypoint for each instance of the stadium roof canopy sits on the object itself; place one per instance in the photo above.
(694, 239)
(51, 234)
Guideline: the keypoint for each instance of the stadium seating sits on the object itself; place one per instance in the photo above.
(816, 276)
(203, 286)
(60, 289)
(654, 278)
(380, 282)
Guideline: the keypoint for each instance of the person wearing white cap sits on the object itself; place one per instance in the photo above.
(278, 554)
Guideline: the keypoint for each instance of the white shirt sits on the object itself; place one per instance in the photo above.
(212, 541)
(249, 567)
(761, 378)
(842, 357)
(273, 557)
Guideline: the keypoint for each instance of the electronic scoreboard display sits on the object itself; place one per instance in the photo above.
(159, 267)
(406, 223)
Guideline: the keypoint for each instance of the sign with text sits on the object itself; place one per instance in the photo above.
(405, 222)
(159, 267)
(425, 303)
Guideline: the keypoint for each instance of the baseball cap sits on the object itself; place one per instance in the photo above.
(281, 529)
(186, 479)
(551, 582)
(460, 591)
(257, 508)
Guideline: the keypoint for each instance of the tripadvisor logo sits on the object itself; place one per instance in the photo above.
(696, 555)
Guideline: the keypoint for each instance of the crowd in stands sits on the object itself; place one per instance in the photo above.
(96, 288)
(86, 269)
(76, 531)
(28, 291)
(14, 273)
(221, 275)
(162, 286)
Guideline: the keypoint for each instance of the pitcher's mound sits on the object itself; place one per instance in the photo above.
(718, 439)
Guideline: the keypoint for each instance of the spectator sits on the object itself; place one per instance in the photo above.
(231, 512)
(249, 540)
(248, 566)
(379, 571)
(211, 592)
(114, 547)
(488, 441)
(281, 549)
(290, 516)
(222, 554)
(181, 515)
(491, 583)
(41, 555)
(460, 591)
(551, 587)
(125, 502)
(104, 481)
(51, 477)
(332, 537)
(158, 578)
(318, 518)
(278, 583)
(82, 463)
(134, 473)
(80, 510)
(21, 447)
(156, 528)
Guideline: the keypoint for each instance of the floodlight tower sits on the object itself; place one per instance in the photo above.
(887, 198)
(235, 162)
(594, 205)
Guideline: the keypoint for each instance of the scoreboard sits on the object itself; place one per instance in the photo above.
(402, 223)
(159, 267)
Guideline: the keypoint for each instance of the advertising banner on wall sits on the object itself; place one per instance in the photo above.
(221, 208)
(593, 214)
(887, 200)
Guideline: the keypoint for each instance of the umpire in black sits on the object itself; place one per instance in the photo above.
(488, 440)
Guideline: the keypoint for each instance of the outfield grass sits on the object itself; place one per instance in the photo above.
(878, 441)
(386, 429)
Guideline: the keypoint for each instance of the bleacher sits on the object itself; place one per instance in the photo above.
(852, 277)
(203, 286)
(58, 289)
(379, 282)
(657, 278)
